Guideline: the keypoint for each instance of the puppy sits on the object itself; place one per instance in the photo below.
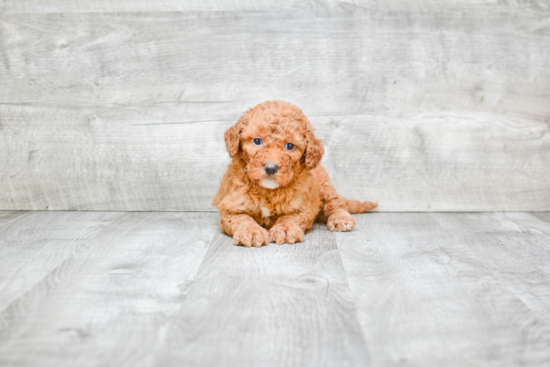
(274, 187)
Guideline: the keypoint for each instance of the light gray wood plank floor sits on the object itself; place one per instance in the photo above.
(442, 289)
(169, 289)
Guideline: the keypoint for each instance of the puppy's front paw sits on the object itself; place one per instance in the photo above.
(250, 234)
(286, 232)
(340, 222)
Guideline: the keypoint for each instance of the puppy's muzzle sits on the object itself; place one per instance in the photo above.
(271, 168)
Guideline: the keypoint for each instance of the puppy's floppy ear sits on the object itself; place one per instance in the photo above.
(232, 140)
(233, 135)
(314, 151)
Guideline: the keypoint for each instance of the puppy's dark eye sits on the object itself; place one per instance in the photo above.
(289, 146)
(257, 141)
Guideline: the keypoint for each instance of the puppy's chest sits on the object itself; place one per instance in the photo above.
(267, 212)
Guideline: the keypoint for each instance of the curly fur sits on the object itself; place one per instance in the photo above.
(256, 208)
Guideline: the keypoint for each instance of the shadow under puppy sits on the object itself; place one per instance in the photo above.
(275, 187)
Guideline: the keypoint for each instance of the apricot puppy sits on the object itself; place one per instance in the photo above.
(275, 187)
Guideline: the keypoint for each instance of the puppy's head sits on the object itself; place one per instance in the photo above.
(276, 142)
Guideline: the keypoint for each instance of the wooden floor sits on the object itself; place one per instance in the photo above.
(168, 289)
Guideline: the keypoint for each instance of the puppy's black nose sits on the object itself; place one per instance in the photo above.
(271, 168)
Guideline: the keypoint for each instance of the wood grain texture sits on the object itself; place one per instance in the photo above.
(6, 217)
(110, 303)
(545, 218)
(442, 111)
(81, 6)
(163, 289)
(34, 244)
(279, 305)
(451, 289)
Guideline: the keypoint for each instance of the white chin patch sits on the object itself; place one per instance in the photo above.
(269, 184)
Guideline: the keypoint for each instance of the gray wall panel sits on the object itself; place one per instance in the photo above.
(420, 110)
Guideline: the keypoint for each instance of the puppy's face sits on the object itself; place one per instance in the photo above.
(273, 152)
(276, 142)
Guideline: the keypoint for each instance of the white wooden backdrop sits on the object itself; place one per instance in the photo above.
(423, 105)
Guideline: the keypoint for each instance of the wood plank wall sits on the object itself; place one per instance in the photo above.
(423, 105)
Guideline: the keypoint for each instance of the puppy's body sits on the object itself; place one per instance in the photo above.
(278, 185)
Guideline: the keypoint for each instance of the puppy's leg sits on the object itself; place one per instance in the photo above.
(244, 229)
(334, 206)
(290, 228)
